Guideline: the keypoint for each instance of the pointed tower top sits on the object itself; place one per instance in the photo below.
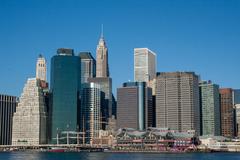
(101, 40)
(102, 31)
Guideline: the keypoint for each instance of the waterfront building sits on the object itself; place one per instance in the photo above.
(177, 101)
(41, 68)
(7, 108)
(88, 66)
(102, 58)
(29, 120)
(210, 108)
(90, 111)
(65, 93)
(105, 139)
(134, 106)
(155, 139)
(227, 112)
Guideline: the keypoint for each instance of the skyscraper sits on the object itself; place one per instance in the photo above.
(7, 108)
(134, 106)
(177, 101)
(236, 101)
(102, 58)
(88, 66)
(237, 106)
(210, 108)
(227, 112)
(236, 96)
(145, 71)
(102, 78)
(144, 65)
(41, 68)
(65, 93)
(90, 111)
(29, 120)
(105, 84)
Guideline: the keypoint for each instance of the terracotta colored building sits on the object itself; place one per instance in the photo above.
(227, 112)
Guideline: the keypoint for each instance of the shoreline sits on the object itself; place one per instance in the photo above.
(66, 150)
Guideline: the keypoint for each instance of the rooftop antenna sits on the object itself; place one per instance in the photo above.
(102, 32)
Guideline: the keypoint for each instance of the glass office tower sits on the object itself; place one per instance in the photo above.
(210, 108)
(65, 90)
(134, 106)
(90, 111)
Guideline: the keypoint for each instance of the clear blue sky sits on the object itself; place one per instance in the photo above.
(187, 35)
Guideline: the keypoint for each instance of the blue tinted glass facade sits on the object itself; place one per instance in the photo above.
(237, 96)
(141, 102)
(65, 90)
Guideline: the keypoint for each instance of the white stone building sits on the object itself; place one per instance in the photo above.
(41, 68)
(145, 62)
(29, 120)
(144, 65)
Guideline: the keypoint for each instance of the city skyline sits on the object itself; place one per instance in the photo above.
(195, 36)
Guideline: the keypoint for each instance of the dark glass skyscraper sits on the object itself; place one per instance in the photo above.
(236, 94)
(90, 111)
(65, 93)
(7, 108)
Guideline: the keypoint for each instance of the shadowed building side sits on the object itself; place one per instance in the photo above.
(134, 106)
(7, 108)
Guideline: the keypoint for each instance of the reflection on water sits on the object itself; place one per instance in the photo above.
(116, 156)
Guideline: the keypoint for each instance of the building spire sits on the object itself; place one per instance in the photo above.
(102, 31)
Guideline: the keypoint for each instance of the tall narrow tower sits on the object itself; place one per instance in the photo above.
(41, 68)
(102, 58)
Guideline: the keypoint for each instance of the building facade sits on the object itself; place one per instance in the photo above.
(155, 139)
(7, 108)
(103, 79)
(144, 65)
(102, 58)
(105, 84)
(237, 106)
(90, 111)
(227, 112)
(65, 93)
(88, 66)
(134, 106)
(236, 96)
(177, 101)
(29, 120)
(210, 109)
(41, 68)
(236, 101)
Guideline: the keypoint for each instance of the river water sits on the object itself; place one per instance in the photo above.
(116, 156)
